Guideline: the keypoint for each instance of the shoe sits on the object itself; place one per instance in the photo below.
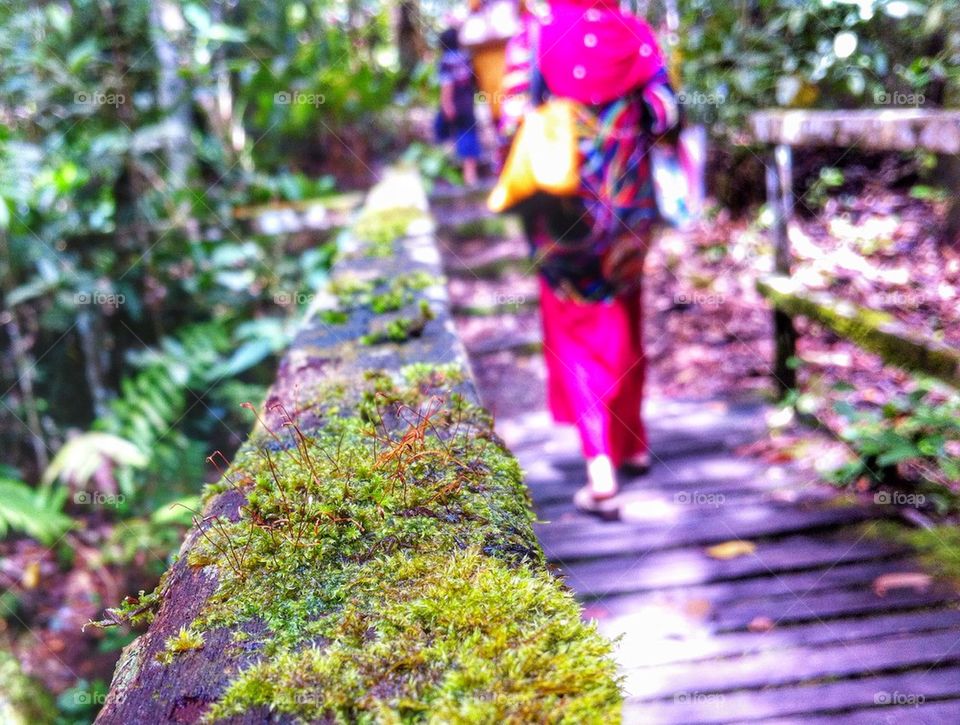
(637, 465)
(597, 497)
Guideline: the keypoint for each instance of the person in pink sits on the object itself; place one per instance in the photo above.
(591, 248)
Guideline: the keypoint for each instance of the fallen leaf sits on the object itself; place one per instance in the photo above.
(594, 612)
(761, 624)
(697, 608)
(31, 575)
(915, 580)
(731, 549)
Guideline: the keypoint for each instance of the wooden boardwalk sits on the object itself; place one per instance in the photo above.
(807, 619)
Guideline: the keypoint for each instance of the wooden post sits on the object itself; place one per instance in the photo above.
(779, 177)
(950, 166)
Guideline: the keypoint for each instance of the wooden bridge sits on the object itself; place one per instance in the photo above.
(740, 591)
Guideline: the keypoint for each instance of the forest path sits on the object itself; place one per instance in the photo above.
(808, 617)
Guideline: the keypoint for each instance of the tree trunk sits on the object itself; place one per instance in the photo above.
(410, 42)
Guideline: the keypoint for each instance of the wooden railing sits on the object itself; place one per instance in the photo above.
(882, 130)
(369, 554)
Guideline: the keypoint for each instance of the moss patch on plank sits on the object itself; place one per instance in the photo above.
(938, 548)
(382, 227)
(389, 562)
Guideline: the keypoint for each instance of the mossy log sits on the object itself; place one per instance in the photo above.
(874, 331)
(369, 555)
(285, 217)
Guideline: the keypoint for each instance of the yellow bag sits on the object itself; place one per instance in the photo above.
(544, 156)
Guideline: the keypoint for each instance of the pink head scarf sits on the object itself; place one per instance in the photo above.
(592, 52)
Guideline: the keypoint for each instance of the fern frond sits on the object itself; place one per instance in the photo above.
(35, 512)
(81, 457)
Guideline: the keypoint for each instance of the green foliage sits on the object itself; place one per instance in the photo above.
(35, 512)
(79, 704)
(735, 57)
(829, 178)
(23, 701)
(433, 163)
(913, 439)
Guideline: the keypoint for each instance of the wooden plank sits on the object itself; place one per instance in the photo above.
(720, 470)
(655, 648)
(567, 543)
(550, 486)
(685, 567)
(609, 584)
(888, 129)
(929, 713)
(795, 666)
(874, 331)
(685, 527)
(643, 500)
(818, 699)
(791, 608)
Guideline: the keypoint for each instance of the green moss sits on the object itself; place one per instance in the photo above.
(874, 331)
(400, 291)
(432, 375)
(439, 650)
(938, 548)
(383, 227)
(388, 562)
(380, 295)
(401, 329)
(186, 640)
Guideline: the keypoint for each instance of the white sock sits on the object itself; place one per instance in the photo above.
(603, 477)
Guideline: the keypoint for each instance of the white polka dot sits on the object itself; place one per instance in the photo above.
(579, 72)
(593, 15)
(590, 40)
(645, 50)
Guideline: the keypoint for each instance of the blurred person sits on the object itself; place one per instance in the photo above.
(591, 247)
(457, 94)
(486, 29)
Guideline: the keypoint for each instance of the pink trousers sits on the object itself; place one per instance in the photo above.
(595, 371)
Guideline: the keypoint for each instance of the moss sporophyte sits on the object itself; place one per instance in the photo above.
(387, 563)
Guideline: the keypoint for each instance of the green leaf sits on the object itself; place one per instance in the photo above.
(32, 512)
(896, 455)
(80, 458)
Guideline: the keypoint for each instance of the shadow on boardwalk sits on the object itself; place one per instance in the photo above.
(793, 628)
